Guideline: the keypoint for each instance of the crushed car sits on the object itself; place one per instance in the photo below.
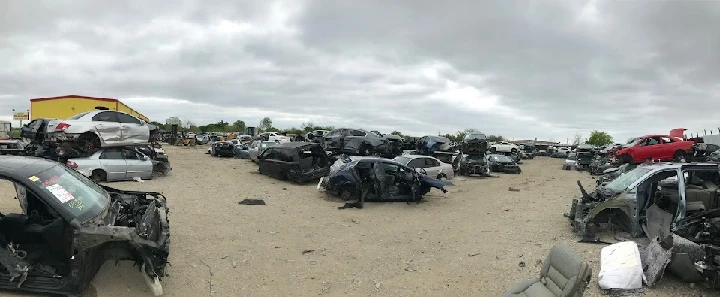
(502, 163)
(471, 159)
(584, 154)
(296, 161)
(69, 226)
(356, 142)
(396, 144)
(428, 145)
(85, 133)
(360, 179)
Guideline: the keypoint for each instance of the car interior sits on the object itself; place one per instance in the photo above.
(701, 191)
(312, 158)
(386, 181)
(39, 237)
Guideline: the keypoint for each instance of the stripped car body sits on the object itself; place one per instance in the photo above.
(356, 142)
(396, 145)
(584, 154)
(70, 226)
(86, 132)
(297, 161)
(636, 200)
(502, 163)
(377, 179)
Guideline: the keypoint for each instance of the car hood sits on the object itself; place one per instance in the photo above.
(435, 183)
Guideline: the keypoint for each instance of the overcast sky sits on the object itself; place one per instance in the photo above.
(522, 69)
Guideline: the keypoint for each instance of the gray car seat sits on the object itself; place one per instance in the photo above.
(563, 274)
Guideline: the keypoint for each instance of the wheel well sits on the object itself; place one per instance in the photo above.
(92, 135)
(615, 216)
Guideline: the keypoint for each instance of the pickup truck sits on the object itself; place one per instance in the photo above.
(658, 147)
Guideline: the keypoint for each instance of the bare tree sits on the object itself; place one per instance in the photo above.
(577, 139)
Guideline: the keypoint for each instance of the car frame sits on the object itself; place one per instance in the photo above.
(298, 161)
(89, 224)
(427, 165)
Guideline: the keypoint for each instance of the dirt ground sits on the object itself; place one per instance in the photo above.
(467, 242)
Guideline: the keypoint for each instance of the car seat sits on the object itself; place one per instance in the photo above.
(563, 274)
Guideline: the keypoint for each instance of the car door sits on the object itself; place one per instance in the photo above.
(113, 162)
(416, 164)
(107, 125)
(432, 167)
(132, 129)
(265, 162)
(137, 165)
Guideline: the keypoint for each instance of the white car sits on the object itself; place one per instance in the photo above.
(100, 128)
(426, 164)
(570, 162)
(563, 151)
(503, 147)
(274, 137)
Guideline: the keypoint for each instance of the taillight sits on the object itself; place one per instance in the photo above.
(71, 164)
(62, 127)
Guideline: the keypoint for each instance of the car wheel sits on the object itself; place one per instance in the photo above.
(626, 159)
(679, 156)
(98, 175)
(88, 142)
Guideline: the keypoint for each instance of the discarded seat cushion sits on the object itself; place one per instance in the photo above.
(563, 274)
(620, 267)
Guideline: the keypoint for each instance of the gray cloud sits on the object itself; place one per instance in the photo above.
(523, 69)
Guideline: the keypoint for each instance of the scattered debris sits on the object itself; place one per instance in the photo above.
(252, 202)
(313, 262)
(138, 179)
(272, 232)
(521, 264)
(307, 251)
(410, 269)
(234, 264)
(473, 255)
(513, 189)
(377, 286)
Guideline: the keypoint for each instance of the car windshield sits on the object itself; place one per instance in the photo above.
(632, 142)
(501, 158)
(402, 160)
(475, 136)
(78, 116)
(78, 195)
(621, 183)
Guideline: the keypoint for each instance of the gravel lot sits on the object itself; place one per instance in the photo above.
(468, 242)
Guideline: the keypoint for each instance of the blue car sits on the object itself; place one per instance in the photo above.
(377, 179)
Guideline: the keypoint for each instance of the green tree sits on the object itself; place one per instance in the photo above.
(266, 125)
(398, 133)
(495, 138)
(599, 138)
(239, 126)
(173, 121)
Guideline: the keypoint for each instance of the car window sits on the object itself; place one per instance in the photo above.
(78, 195)
(79, 115)
(131, 155)
(650, 141)
(429, 162)
(416, 163)
(112, 154)
(666, 140)
(106, 116)
(357, 133)
(128, 119)
(390, 168)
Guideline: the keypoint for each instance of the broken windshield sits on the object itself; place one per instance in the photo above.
(621, 183)
(78, 195)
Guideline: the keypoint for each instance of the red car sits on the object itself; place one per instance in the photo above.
(659, 147)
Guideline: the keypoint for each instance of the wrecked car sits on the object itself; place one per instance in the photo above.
(570, 162)
(12, 147)
(427, 145)
(296, 161)
(87, 132)
(224, 148)
(584, 154)
(695, 255)
(377, 179)
(471, 165)
(658, 147)
(599, 164)
(356, 142)
(69, 226)
(612, 173)
(427, 165)
(396, 145)
(636, 200)
(502, 163)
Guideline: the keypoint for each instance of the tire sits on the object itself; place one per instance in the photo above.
(88, 143)
(98, 175)
(626, 159)
(678, 156)
(366, 150)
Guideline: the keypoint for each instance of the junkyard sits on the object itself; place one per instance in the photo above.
(478, 239)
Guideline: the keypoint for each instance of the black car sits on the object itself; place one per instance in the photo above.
(475, 143)
(471, 165)
(69, 226)
(377, 179)
(356, 142)
(225, 148)
(502, 163)
(585, 154)
(35, 131)
(396, 145)
(427, 145)
(297, 161)
(410, 143)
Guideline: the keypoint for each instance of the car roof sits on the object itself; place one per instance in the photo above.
(295, 144)
(21, 166)
(416, 156)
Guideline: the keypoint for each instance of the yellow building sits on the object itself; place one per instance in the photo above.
(63, 107)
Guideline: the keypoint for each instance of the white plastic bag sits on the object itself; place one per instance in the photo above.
(620, 267)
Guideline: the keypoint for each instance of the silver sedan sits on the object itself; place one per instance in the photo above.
(426, 164)
(257, 147)
(112, 164)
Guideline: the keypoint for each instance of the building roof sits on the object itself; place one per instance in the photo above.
(74, 96)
